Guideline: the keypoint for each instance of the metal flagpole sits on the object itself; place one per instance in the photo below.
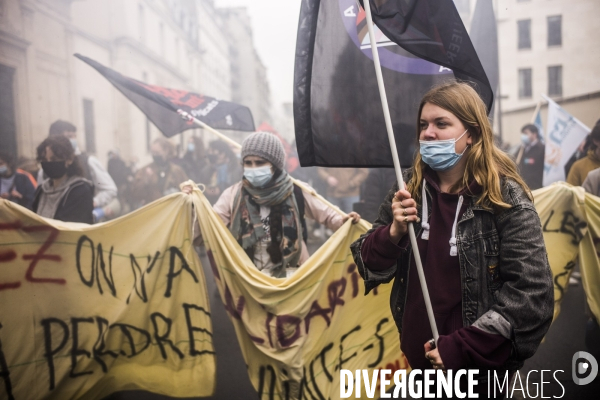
(390, 132)
(188, 117)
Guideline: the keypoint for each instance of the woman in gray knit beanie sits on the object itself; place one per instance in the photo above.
(265, 211)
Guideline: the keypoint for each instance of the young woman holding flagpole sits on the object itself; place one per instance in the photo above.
(395, 158)
(480, 237)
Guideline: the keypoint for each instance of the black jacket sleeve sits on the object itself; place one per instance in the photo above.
(24, 186)
(77, 205)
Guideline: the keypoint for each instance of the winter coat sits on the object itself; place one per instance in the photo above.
(313, 208)
(73, 201)
(105, 190)
(591, 184)
(582, 167)
(531, 166)
(23, 185)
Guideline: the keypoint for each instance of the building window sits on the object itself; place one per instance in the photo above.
(524, 27)
(555, 80)
(555, 30)
(88, 126)
(525, 83)
(141, 24)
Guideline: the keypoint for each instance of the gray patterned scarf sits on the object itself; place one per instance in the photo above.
(247, 227)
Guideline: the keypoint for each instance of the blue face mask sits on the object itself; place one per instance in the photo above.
(525, 138)
(440, 155)
(191, 147)
(258, 177)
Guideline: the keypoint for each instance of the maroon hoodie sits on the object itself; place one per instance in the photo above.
(459, 346)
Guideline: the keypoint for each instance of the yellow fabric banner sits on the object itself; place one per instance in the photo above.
(562, 214)
(571, 224)
(87, 310)
(590, 253)
(296, 334)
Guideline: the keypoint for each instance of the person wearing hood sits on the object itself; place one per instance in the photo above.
(531, 164)
(591, 161)
(159, 178)
(106, 203)
(480, 241)
(265, 212)
(65, 195)
(15, 184)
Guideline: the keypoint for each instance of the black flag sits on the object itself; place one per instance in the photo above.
(337, 110)
(161, 104)
(433, 30)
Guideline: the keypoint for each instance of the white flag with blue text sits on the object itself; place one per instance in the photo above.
(565, 133)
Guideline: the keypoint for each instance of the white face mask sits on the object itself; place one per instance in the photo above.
(258, 177)
(441, 155)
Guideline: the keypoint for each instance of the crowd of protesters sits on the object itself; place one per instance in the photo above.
(122, 187)
(70, 185)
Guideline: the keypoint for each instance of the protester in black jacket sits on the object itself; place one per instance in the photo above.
(14, 185)
(65, 195)
(531, 164)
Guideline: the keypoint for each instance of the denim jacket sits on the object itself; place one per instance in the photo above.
(506, 281)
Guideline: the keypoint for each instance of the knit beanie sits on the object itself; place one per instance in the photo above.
(265, 145)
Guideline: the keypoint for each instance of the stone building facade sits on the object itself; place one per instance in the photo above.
(545, 47)
(183, 44)
(548, 47)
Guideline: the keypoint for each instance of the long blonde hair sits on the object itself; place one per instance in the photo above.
(486, 163)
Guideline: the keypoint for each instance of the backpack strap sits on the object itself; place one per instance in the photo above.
(301, 207)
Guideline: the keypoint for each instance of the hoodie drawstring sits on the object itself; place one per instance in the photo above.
(426, 227)
(453, 249)
(425, 223)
